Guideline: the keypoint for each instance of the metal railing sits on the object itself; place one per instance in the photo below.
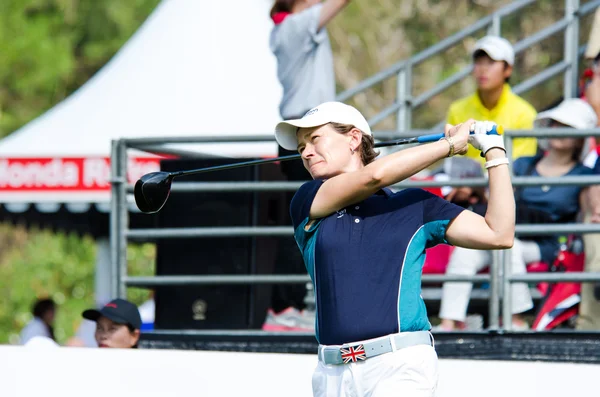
(500, 281)
(405, 103)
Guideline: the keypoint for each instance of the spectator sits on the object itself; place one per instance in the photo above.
(493, 59)
(535, 204)
(44, 311)
(118, 324)
(300, 43)
(589, 308)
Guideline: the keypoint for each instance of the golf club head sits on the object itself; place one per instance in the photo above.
(152, 190)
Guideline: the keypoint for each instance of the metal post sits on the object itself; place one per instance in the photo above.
(494, 303)
(495, 28)
(254, 241)
(571, 50)
(506, 256)
(124, 220)
(114, 229)
(403, 95)
(506, 290)
(104, 273)
(508, 146)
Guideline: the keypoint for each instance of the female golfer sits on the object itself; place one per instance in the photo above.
(364, 246)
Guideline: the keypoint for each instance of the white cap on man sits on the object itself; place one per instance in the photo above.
(497, 48)
(328, 112)
(574, 112)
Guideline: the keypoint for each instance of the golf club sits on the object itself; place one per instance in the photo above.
(152, 190)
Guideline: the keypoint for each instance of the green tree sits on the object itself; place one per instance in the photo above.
(49, 48)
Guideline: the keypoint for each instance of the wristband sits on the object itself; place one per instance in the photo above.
(496, 162)
(451, 143)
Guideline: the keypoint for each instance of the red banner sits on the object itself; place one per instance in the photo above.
(73, 174)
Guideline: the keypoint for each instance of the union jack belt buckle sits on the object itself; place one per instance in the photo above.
(353, 354)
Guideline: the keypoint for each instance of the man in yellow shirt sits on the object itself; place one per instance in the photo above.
(493, 59)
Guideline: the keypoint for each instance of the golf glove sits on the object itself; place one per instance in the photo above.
(481, 139)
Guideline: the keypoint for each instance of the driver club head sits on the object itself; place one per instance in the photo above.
(152, 190)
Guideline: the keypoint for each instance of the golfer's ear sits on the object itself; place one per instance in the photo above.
(356, 138)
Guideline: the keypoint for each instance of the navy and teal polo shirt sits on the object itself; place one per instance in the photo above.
(365, 261)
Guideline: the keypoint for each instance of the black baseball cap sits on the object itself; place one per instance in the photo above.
(118, 310)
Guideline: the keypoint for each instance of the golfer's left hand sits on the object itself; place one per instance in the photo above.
(480, 138)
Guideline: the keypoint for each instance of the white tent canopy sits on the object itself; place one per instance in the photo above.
(195, 67)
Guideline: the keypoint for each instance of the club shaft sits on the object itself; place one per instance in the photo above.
(395, 142)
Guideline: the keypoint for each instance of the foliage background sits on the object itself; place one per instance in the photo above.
(49, 48)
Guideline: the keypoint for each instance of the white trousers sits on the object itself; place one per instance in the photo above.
(408, 372)
(463, 261)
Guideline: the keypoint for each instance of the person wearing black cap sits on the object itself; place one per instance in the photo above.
(118, 324)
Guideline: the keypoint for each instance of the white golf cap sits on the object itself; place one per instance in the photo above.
(328, 112)
(498, 48)
(573, 112)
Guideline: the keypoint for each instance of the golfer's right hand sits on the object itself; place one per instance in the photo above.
(481, 140)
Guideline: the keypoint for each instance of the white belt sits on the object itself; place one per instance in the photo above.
(360, 351)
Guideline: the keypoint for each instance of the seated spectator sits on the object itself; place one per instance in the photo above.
(44, 312)
(118, 324)
(535, 204)
(493, 59)
(589, 308)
